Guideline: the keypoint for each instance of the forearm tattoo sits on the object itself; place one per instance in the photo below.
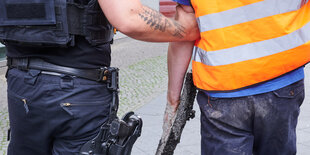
(159, 22)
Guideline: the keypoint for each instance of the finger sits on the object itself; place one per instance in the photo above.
(179, 9)
(187, 8)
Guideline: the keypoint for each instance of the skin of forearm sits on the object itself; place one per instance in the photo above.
(157, 27)
(143, 23)
(179, 56)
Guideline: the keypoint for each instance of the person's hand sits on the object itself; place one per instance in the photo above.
(185, 15)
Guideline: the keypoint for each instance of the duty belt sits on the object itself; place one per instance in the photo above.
(100, 75)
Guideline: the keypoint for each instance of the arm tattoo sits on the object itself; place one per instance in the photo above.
(158, 22)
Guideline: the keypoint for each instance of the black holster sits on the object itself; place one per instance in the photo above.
(116, 136)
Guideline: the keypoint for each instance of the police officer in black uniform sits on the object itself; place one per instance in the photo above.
(57, 53)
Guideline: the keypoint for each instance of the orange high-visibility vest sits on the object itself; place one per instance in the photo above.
(245, 42)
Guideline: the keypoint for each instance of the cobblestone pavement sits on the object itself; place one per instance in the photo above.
(143, 75)
(143, 71)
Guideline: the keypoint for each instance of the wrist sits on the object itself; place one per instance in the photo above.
(173, 99)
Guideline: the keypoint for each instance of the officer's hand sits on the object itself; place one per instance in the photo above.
(186, 16)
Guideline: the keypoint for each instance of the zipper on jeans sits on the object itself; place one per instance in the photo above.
(25, 105)
(64, 106)
(67, 104)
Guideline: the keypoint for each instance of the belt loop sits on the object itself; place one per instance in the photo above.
(24, 64)
(31, 76)
(66, 82)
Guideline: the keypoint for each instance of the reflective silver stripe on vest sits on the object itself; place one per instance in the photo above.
(253, 50)
(246, 13)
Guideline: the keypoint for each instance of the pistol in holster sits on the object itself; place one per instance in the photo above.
(116, 136)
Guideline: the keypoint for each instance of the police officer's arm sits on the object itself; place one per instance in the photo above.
(143, 23)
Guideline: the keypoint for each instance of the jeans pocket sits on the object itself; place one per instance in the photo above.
(18, 100)
(290, 91)
(84, 117)
(80, 109)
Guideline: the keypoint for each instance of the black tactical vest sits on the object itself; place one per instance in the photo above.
(53, 22)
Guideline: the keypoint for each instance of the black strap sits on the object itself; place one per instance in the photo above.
(99, 75)
(113, 85)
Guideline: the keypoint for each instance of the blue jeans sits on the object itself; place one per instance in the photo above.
(263, 124)
(53, 114)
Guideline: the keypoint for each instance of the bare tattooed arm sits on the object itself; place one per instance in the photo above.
(158, 22)
(143, 23)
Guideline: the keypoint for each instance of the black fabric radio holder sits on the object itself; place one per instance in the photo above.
(116, 136)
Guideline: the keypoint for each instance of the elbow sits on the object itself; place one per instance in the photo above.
(125, 28)
(130, 29)
(123, 25)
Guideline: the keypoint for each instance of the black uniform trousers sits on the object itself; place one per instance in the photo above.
(53, 115)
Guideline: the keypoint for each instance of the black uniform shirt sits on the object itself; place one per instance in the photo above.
(82, 55)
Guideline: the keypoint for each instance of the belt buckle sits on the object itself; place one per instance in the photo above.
(112, 79)
(110, 76)
(103, 74)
